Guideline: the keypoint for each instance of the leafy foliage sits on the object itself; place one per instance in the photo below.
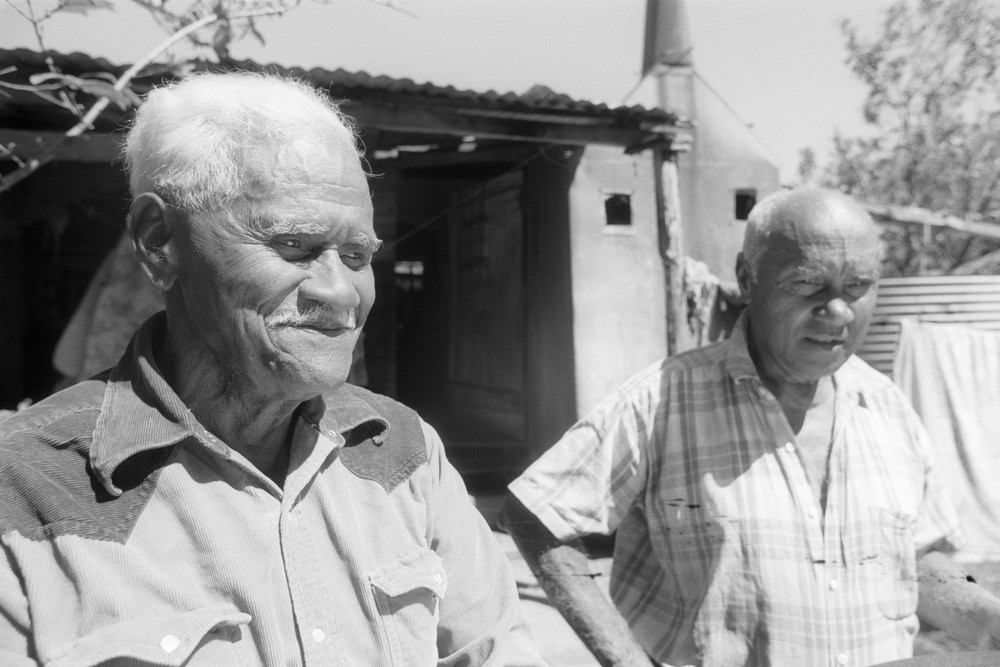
(933, 106)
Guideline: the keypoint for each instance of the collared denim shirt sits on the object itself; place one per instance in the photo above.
(131, 535)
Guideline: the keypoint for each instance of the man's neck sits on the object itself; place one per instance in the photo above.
(244, 416)
(797, 398)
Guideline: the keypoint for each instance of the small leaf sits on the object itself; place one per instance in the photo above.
(84, 6)
(107, 76)
(99, 88)
(133, 99)
(57, 78)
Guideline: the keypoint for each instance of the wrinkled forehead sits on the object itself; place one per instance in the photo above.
(317, 174)
(826, 231)
(327, 156)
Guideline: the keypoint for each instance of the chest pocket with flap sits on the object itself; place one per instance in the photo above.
(407, 592)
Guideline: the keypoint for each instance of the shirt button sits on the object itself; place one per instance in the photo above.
(811, 512)
(318, 635)
(834, 585)
(790, 448)
(841, 658)
(170, 643)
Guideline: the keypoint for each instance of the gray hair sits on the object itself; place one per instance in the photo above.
(213, 142)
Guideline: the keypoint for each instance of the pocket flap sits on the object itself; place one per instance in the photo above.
(896, 523)
(422, 568)
(168, 639)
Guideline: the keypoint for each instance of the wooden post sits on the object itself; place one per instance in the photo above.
(672, 251)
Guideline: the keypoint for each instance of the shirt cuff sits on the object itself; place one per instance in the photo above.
(532, 498)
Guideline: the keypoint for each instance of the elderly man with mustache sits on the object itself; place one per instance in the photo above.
(221, 496)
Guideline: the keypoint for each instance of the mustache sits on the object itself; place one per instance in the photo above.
(318, 318)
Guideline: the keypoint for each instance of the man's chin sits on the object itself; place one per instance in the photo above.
(820, 369)
(314, 377)
(329, 378)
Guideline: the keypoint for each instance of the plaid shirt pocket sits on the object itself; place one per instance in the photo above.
(897, 564)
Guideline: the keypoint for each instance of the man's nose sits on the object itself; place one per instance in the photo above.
(838, 310)
(330, 284)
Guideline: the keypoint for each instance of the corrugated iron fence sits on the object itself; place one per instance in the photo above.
(965, 300)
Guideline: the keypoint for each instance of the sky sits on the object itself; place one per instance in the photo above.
(779, 64)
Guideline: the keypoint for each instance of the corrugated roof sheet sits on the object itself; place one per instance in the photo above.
(341, 82)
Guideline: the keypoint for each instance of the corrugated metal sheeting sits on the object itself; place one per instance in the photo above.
(972, 301)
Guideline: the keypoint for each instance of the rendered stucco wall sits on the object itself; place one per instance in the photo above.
(725, 158)
(618, 280)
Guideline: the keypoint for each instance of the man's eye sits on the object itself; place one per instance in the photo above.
(805, 286)
(291, 248)
(355, 258)
(283, 242)
(858, 288)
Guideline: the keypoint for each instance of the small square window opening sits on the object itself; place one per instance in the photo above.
(745, 200)
(618, 210)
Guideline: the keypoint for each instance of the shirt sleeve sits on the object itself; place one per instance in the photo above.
(587, 481)
(481, 621)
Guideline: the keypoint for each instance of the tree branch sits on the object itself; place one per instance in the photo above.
(85, 123)
(912, 215)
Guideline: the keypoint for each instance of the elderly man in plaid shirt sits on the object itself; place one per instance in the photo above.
(775, 500)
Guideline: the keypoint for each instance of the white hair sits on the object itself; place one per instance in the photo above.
(214, 142)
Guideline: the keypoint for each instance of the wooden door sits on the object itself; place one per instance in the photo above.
(486, 344)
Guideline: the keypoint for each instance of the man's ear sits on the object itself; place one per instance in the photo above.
(151, 226)
(743, 275)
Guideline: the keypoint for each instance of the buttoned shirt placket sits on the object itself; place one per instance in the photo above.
(311, 593)
(840, 581)
(823, 529)
(318, 636)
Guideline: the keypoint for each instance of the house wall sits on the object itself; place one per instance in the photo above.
(725, 157)
(618, 279)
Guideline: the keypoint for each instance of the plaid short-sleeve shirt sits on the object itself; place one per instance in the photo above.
(723, 555)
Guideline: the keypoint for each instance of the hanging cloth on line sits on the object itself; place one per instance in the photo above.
(951, 374)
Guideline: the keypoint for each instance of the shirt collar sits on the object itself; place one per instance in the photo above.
(342, 412)
(140, 411)
(738, 361)
(739, 364)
